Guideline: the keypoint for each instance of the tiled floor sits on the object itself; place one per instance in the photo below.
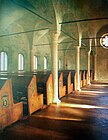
(80, 116)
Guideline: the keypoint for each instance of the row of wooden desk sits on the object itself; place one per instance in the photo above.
(23, 94)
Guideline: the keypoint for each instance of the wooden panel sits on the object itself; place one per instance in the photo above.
(67, 81)
(81, 78)
(62, 88)
(83, 84)
(91, 75)
(44, 85)
(35, 101)
(49, 89)
(9, 112)
(73, 78)
(69, 84)
(86, 74)
(85, 78)
(25, 89)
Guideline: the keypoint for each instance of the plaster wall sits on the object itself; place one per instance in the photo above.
(102, 64)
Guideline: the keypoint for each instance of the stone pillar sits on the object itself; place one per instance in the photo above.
(55, 36)
(65, 61)
(95, 67)
(32, 60)
(88, 69)
(95, 61)
(88, 66)
(77, 84)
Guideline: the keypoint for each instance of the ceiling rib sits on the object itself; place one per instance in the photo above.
(17, 33)
(83, 20)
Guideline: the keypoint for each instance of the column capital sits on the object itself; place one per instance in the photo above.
(78, 46)
(89, 52)
(55, 33)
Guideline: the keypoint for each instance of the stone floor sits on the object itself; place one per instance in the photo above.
(80, 115)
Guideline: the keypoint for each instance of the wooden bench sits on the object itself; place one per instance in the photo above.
(85, 77)
(61, 87)
(25, 89)
(82, 78)
(67, 81)
(73, 78)
(44, 85)
(9, 112)
(91, 75)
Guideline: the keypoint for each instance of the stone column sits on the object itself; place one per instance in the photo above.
(55, 36)
(77, 84)
(95, 67)
(65, 61)
(95, 61)
(88, 66)
(88, 69)
(32, 60)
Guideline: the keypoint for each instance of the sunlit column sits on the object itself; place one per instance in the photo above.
(88, 69)
(55, 36)
(95, 67)
(32, 60)
(88, 66)
(77, 85)
(95, 61)
(77, 77)
(65, 61)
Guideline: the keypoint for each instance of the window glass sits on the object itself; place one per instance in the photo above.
(45, 63)
(3, 61)
(104, 41)
(20, 62)
(35, 62)
(59, 63)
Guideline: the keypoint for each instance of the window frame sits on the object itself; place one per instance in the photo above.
(20, 62)
(45, 63)
(102, 39)
(3, 61)
(35, 60)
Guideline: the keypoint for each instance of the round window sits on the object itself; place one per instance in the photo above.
(104, 41)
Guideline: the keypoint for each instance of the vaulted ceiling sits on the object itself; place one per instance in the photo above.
(72, 17)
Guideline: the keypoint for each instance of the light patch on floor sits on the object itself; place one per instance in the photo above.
(81, 106)
(59, 118)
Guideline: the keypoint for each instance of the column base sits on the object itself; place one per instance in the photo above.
(77, 91)
(56, 101)
(89, 84)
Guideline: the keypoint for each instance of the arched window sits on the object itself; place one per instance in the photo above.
(3, 61)
(104, 41)
(59, 64)
(35, 63)
(20, 62)
(45, 63)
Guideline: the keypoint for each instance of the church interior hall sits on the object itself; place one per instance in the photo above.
(54, 69)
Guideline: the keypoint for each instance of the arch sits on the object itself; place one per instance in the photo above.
(102, 30)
